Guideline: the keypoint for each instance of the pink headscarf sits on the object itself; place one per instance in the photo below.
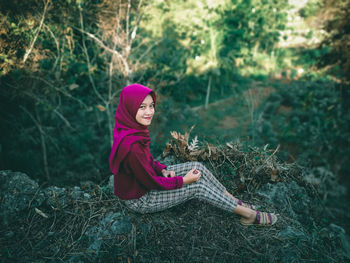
(127, 130)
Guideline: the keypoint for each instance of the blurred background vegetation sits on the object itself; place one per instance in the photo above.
(259, 71)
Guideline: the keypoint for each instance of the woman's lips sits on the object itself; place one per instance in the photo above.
(148, 118)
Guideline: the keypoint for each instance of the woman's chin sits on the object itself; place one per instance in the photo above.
(146, 123)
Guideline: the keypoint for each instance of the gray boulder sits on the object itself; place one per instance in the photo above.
(109, 227)
(291, 238)
(289, 198)
(18, 193)
(55, 197)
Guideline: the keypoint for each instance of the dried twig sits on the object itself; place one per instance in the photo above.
(37, 33)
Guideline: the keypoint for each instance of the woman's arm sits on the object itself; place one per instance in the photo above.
(158, 167)
(146, 174)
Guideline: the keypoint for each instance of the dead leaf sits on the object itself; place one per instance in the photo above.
(167, 149)
(229, 145)
(38, 211)
(274, 176)
(100, 107)
(174, 135)
(73, 86)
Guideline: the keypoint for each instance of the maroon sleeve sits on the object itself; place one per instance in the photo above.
(158, 167)
(146, 174)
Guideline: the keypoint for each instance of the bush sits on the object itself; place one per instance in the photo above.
(310, 120)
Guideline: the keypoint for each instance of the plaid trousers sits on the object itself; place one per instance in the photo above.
(207, 189)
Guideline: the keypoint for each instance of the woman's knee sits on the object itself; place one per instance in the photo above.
(197, 165)
(200, 188)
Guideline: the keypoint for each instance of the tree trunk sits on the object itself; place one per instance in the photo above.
(43, 146)
(208, 92)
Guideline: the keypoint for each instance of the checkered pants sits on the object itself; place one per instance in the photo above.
(207, 189)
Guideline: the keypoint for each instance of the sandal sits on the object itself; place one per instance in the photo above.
(246, 205)
(262, 219)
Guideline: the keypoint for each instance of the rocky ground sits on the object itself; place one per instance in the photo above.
(87, 223)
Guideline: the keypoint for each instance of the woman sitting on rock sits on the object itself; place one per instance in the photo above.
(147, 186)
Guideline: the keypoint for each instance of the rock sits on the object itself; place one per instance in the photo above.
(87, 186)
(290, 252)
(110, 183)
(337, 230)
(76, 193)
(60, 197)
(292, 233)
(76, 259)
(345, 241)
(9, 234)
(325, 181)
(288, 198)
(18, 193)
(144, 230)
(111, 225)
(56, 197)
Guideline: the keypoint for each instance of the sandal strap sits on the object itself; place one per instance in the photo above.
(239, 202)
(270, 218)
(257, 218)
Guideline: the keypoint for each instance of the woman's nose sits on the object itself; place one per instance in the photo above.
(149, 110)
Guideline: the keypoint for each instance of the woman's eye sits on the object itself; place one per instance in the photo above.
(142, 107)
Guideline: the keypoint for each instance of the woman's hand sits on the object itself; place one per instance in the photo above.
(192, 176)
(168, 173)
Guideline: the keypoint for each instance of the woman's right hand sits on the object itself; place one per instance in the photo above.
(192, 176)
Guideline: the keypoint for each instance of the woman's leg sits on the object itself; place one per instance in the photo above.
(156, 200)
(183, 168)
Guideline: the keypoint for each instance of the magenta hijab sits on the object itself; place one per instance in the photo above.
(127, 130)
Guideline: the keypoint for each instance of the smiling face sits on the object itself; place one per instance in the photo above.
(145, 113)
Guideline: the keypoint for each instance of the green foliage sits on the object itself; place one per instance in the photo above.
(251, 26)
(311, 8)
(48, 104)
(308, 57)
(311, 122)
(338, 57)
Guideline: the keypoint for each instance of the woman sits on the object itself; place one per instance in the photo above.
(147, 186)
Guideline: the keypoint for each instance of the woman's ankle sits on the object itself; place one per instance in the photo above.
(245, 212)
(230, 195)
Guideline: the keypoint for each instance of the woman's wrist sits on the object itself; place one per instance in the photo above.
(185, 180)
(164, 172)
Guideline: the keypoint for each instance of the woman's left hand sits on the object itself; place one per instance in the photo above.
(168, 173)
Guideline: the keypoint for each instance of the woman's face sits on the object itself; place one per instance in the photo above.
(145, 113)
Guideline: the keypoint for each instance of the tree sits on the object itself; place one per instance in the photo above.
(338, 38)
(250, 26)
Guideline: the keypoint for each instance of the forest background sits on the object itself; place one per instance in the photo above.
(271, 74)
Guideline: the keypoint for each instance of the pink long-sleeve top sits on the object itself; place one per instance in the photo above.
(139, 173)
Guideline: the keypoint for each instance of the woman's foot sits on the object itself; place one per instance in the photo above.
(239, 202)
(259, 219)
